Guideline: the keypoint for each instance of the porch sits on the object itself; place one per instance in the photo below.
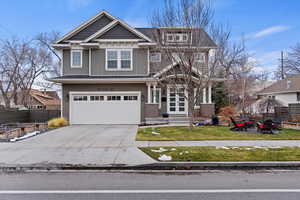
(169, 105)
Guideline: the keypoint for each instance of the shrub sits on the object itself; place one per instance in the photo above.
(57, 122)
(227, 112)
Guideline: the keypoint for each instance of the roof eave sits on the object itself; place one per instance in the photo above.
(98, 80)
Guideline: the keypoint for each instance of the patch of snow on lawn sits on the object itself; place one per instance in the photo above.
(165, 158)
(155, 133)
(160, 150)
(173, 149)
(222, 148)
(275, 147)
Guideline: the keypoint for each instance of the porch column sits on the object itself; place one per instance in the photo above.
(149, 92)
(209, 93)
(204, 96)
(154, 93)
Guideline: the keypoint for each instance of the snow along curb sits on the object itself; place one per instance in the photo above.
(27, 135)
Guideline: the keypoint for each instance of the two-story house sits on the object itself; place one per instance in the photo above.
(110, 72)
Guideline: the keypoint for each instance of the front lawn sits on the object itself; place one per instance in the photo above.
(223, 153)
(178, 133)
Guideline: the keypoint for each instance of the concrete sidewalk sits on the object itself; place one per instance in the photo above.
(219, 143)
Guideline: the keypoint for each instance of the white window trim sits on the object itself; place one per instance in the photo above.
(172, 34)
(76, 50)
(181, 37)
(159, 60)
(118, 60)
(159, 99)
(204, 57)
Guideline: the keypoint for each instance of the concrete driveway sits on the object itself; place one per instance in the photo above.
(88, 145)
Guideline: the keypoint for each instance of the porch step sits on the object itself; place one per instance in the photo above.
(170, 120)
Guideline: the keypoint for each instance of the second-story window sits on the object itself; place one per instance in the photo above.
(76, 58)
(177, 37)
(199, 57)
(155, 57)
(118, 59)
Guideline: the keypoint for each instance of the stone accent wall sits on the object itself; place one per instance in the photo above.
(151, 110)
(207, 110)
(197, 112)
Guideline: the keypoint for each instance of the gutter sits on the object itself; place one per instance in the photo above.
(110, 80)
(281, 92)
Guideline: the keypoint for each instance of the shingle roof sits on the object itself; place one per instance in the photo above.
(45, 97)
(205, 41)
(290, 84)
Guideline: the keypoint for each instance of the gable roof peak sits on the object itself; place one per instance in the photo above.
(84, 25)
(103, 29)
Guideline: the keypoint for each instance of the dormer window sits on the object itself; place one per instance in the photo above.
(177, 37)
(170, 37)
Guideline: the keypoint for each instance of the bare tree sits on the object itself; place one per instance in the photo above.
(186, 77)
(293, 60)
(268, 104)
(22, 63)
(13, 55)
(45, 40)
(242, 79)
(39, 61)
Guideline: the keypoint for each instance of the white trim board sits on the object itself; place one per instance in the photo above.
(71, 58)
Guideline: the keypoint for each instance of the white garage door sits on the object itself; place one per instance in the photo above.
(105, 108)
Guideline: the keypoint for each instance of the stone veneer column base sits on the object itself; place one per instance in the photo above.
(207, 110)
(151, 110)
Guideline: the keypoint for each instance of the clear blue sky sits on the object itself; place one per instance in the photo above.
(269, 25)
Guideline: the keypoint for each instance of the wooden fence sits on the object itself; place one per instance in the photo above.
(16, 116)
(294, 109)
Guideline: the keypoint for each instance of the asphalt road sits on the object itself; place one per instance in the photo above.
(208, 185)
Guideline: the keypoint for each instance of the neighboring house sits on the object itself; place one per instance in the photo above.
(254, 102)
(37, 100)
(286, 91)
(110, 72)
(43, 100)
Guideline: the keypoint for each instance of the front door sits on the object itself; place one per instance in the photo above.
(177, 103)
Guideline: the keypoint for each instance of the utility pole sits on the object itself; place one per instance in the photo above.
(282, 67)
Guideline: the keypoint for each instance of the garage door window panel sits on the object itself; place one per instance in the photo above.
(130, 98)
(80, 98)
(113, 98)
(97, 98)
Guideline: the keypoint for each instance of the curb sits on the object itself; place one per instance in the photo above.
(226, 164)
(163, 166)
